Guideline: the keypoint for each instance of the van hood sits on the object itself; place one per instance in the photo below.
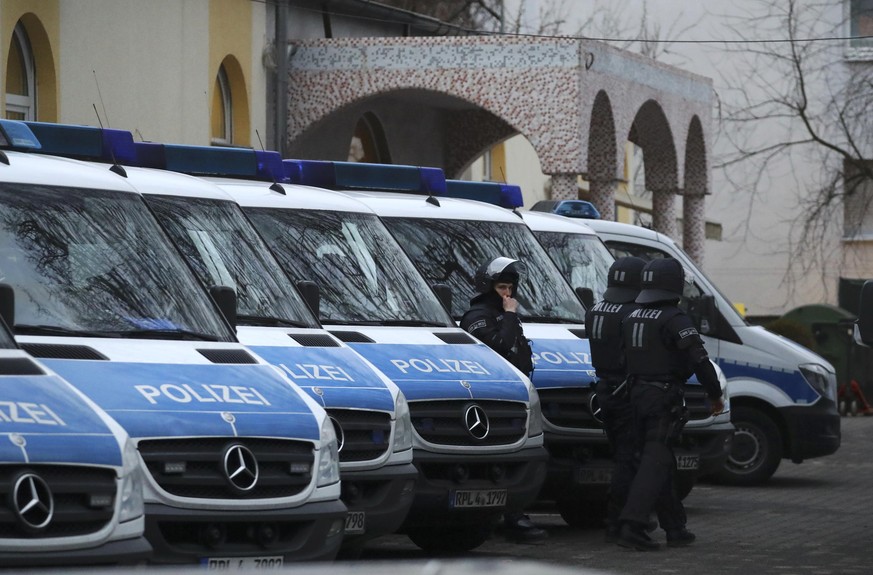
(781, 349)
(44, 420)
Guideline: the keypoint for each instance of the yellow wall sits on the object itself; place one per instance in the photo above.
(230, 42)
(42, 22)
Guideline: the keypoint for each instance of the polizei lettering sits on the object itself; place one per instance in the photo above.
(22, 412)
(561, 358)
(203, 393)
(440, 366)
(313, 371)
(646, 313)
(606, 307)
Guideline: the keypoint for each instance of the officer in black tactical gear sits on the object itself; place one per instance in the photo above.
(662, 350)
(492, 318)
(603, 325)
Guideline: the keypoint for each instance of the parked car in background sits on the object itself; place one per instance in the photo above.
(569, 208)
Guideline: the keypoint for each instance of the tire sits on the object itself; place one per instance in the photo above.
(453, 540)
(582, 513)
(756, 451)
(684, 484)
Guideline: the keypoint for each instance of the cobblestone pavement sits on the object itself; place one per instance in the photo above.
(812, 518)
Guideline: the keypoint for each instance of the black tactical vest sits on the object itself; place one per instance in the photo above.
(650, 351)
(603, 326)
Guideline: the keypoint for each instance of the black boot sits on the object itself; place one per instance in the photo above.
(518, 528)
(634, 537)
(680, 537)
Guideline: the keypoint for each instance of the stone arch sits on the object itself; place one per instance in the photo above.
(651, 131)
(602, 155)
(696, 184)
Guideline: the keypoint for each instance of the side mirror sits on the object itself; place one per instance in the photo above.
(225, 299)
(444, 294)
(704, 314)
(311, 294)
(7, 305)
(586, 295)
(865, 313)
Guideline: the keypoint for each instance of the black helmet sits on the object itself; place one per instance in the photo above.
(506, 270)
(663, 280)
(623, 285)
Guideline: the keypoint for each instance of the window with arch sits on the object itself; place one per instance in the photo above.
(222, 110)
(20, 78)
(369, 143)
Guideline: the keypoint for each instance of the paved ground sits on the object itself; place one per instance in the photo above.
(812, 518)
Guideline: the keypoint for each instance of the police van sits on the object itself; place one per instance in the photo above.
(71, 484)
(369, 413)
(240, 465)
(478, 430)
(783, 396)
(584, 262)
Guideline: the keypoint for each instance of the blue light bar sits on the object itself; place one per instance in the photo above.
(362, 176)
(211, 161)
(85, 142)
(503, 195)
(17, 135)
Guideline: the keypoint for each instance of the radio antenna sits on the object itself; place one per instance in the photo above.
(102, 105)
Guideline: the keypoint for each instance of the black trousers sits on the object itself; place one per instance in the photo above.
(655, 420)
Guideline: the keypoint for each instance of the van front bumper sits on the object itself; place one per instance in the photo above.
(813, 431)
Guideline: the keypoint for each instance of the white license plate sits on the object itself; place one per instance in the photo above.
(479, 498)
(355, 522)
(235, 563)
(687, 462)
(596, 475)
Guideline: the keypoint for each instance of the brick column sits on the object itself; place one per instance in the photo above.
(664, 212)
(603, 197)
(694, 227)
(565, 187)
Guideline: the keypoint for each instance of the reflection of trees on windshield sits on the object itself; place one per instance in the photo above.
(94, 260)
(362, 273)
(450, 251)
(223, 249)
(583, 260)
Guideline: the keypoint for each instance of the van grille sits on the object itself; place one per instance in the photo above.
(73, 489)
(365, 435)
(568, 407)
(227, 355)
(455, 337)
(59, 351)
(443, 422)
(314, 339)
(194, 467)
(695, 401)
(351, 337)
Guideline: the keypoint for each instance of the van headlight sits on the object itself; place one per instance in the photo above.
(131, 485)
(725, 394)
(402, 424)
(535, 417)
(819, 378)
(328, 455)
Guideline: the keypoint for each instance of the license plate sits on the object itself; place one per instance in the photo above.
(687, 462)
(596, 475)
(479, 498)
(235, 563)
(355, 522)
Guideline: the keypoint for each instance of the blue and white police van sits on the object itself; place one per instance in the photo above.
(783, 396)
(447, 239)
(477, 426)
(240, 465)
(70, 481)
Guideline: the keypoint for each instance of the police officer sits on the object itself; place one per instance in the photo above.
(493, 319)
(603, 324)
(662, 350)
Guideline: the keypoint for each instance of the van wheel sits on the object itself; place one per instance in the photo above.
(756, 451)
(450, 540)
(582, 513)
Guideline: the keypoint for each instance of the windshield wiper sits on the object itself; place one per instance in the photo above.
(550, 319)
(168, 333)
(269, 321)
(412, 323)
(25, 329)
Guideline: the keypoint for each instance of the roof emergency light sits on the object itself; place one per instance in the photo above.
(503, 195)
(85, 142)
(212, 161)
(363, 176)
(17, 135)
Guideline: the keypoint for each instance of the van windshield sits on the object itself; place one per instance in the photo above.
(583, 259)
(364, 276)
(223, 248)
(94, 262)
(450, 251)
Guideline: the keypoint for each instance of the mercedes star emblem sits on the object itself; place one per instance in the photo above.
(476, 421)
(32, 501)
(594, 408)
(340, 436)
(241, 467)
